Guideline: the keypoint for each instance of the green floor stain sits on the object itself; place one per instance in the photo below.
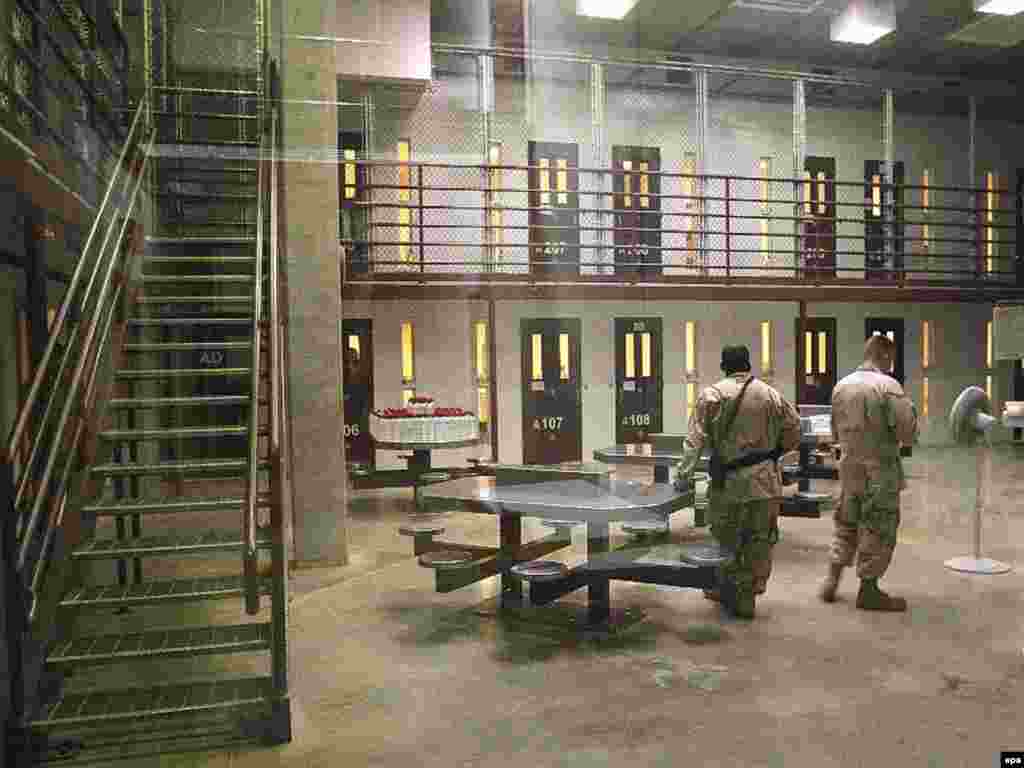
(704, 679)
(704, 634)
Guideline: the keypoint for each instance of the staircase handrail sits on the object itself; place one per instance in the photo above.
(250, 554)
(25, 544)
(280, 478)
(24, 413)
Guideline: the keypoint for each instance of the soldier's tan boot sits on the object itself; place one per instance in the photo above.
(871, 598)
(831, 585)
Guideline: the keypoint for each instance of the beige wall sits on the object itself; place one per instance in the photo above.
(444, 367)
(385, 39)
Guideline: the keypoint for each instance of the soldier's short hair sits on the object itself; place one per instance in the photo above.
(878, 347)
(735, 359)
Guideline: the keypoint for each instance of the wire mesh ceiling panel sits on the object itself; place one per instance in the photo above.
(750, 139)
(844, 123)
(655, 108)
(429, 218)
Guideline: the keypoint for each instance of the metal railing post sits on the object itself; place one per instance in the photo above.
(728, 231)
(1019, 229)
(419, 214)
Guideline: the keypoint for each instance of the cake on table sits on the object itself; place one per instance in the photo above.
(421, 422)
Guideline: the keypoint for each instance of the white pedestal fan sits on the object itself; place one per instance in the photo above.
(970, 421)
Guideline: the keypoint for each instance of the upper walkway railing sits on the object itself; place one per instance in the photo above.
(551, 221)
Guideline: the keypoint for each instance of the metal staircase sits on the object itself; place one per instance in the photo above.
(144, 558)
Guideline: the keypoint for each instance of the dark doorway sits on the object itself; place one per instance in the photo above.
(357, 359)
(354, 215)
(554, 208)
(637, 203)
(552, 408)
(893, 328)
(876, 199)
(638, 379)
(818, 225)
(816, 360)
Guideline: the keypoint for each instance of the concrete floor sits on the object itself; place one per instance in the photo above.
(387, 673)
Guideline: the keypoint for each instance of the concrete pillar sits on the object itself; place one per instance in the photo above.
(310, 196)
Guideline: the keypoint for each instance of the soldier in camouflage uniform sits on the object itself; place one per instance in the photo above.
(745, 511)
(871, 418)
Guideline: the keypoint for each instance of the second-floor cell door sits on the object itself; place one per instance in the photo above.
(637, 203)
(818, 219)
(554, 208)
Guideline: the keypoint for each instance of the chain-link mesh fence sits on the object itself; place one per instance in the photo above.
(452, 190)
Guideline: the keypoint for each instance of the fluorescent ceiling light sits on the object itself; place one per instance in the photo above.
(604, 9)
(1000, 7)
(863, 22)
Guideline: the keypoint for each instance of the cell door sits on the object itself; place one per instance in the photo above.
(552, 409)
(352, 194)
(876, 198)
(893, 328)
(554, 208)
(637, 204)
(638, 379)
(818, 224)
(816, 360)
(357, 378)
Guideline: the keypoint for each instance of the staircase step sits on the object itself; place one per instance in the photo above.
(205, 195)
(178, 373)
(182, 467)
(171, 433)
(179, 260)
(178, 402)
(182, 544)
(121, 507)
(162, 644)
(200, 240)
(159, 592)
(244, 300)
(185, 346)
(139, 322)
(127, 704)
(201, 279)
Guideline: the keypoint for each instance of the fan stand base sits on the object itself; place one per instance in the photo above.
(977, 565)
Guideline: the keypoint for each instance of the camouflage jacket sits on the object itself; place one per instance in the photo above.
(765, 421)
(871, 418)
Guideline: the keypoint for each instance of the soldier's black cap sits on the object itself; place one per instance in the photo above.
(735, 359)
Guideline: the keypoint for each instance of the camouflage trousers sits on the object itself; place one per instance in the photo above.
(866, 525)
(750, 531)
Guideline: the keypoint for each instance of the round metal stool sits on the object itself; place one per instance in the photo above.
(705, 554)
(422, 525)
(540, 570)
(446, 559)
(642, 528)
